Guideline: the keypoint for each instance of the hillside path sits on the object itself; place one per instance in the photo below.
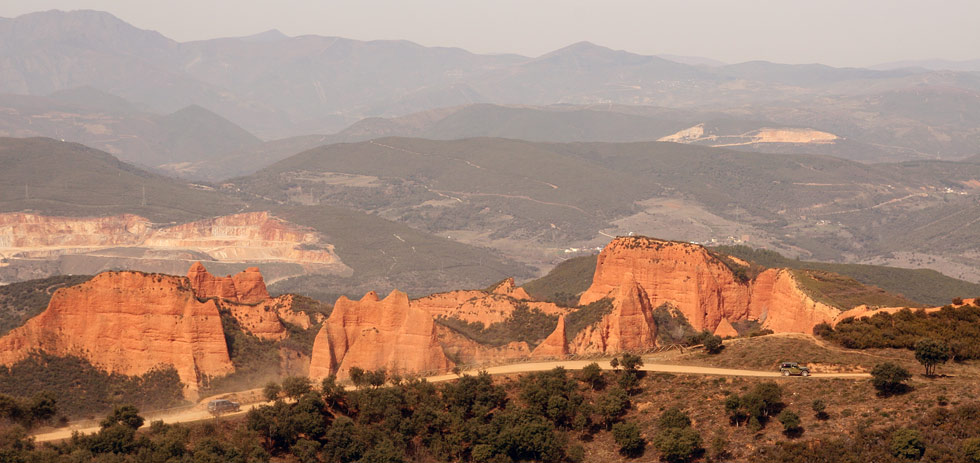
(199, 411)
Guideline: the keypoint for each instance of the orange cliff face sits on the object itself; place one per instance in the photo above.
(778, 299)
(247, 287)
(245, 296)
(628, 327)
(488, 307)
(555, 345)
(373, 334)
(702, 287)
(128, 323)
(246, 237)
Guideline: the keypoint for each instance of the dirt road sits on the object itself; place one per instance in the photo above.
(199, 412)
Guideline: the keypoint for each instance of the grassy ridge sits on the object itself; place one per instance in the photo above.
(919, 285)
(22, 301)
(565, 282)
(68, 179)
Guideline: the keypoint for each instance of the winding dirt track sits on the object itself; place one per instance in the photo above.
(199, 412)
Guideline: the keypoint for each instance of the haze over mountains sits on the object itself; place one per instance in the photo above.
(274, 86)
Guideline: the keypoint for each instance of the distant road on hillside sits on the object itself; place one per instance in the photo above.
(199, 412)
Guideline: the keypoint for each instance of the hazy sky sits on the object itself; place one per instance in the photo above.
(835, 32)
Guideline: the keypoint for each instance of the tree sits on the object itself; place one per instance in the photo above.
(271, 391)
(907, 443)
(792, 426)
(612, 405)
(675, 439)
(614, 363)
(889, 378)
(592, 375)
(631, 362)
(296, 386)
(357, 376)
(42, 407)
(736, 412)
(712, 344)
(678, 445)
(930, 353)
(627, 436)
(376, 378)
(126, 415)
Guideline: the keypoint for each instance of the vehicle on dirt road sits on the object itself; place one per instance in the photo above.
(793, 369)
(217, 407)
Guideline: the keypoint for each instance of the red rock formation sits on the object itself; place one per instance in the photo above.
(629, 327)
(682, 274)
(246, 287)
(487, 307)
(128, 322)
(373, 334)
(508, 288)
(703, 288)
(555, 345)
(778, 299)
(725, 329)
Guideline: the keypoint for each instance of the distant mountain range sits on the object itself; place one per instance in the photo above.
(276, 86)
(540, 200)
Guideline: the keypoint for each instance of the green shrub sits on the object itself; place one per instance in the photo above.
(627, 436)
(907, 443)
(889, 378)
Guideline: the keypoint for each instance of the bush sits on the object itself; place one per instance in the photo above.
(673, 418)
(889, 378)
(678, 445)
(627, 436)
(819, 408)
(907, 443)
(958, 326)
(971, 450)
(792, 426)
(712, 344)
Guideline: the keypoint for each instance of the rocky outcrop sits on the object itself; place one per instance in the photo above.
(467, 352)
(555, 345)
(684, 275)
(704, 288)
(247, 237)
(785, 308)
(133, 242)
(128, 323)
(508, 288)
(629, 327)
(373, 334)
(725, 330)
(488, 307)
(247, 287)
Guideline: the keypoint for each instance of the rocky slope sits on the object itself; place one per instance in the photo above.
(78, 245)
(703, 287)
(490, 306)
(372, 333)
